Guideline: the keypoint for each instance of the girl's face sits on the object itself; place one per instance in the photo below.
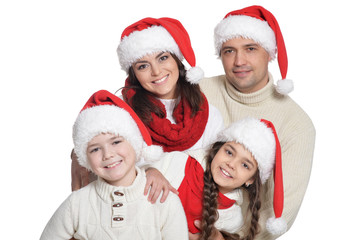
(232, 167)
(112, 158)
(158, 73)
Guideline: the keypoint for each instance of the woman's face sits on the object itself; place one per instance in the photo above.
(232, 167)
(158, 73)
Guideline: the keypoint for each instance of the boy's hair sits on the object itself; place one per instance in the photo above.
(210, 203)
(140, 100)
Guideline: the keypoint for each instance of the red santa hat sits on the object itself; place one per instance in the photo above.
(107, 113)
(152, 35)
(260, 138)
(258, 24)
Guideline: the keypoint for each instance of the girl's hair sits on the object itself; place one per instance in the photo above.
(210, 203)
(143, 107)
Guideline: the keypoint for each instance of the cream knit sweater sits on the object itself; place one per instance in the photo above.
(101, 211)
(295, 131)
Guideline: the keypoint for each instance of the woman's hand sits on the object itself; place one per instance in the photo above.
(80, 176)
(157, 183)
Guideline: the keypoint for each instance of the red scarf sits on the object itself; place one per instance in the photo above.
(182, 135)
(191, 194)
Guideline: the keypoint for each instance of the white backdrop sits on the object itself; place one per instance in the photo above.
(55, 54)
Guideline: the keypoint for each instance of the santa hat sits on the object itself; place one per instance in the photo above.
(107, 113)
(260, 138)
(261, 26)
(151, 35)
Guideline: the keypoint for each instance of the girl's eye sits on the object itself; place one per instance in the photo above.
(245, 165)
(117, 142)
(228, 152)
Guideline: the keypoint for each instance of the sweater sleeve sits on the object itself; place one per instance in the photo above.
(172, 166)
(60, 225)
(174, 222)
(296, 163)
(214, 126)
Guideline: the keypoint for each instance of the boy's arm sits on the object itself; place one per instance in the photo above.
(60, 225)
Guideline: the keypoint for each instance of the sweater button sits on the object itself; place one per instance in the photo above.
(118, 219)
(119, 193)
(118, 205)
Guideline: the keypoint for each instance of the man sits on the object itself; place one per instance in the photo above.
(246, 41)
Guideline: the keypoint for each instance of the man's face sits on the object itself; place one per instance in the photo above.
(245, 64)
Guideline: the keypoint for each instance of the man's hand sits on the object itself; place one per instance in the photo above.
(80, 176)
(157, 183)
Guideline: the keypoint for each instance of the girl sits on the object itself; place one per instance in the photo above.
(109, 139)
(166, 97)
(210, 190)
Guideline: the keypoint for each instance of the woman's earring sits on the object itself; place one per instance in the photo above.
(247, 185)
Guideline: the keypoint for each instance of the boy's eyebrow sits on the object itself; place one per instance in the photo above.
(92, 145)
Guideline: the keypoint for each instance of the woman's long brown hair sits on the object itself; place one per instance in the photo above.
(143, 107)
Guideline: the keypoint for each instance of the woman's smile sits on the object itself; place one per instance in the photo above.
(160, 81)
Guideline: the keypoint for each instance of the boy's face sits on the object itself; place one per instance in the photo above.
(232, 167)
(112, 158)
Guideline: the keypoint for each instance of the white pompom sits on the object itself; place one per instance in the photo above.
(276, 226)
(194, 75)
(152, 153)
(284, 86)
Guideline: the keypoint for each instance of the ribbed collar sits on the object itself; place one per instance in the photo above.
(250, 98)
(131, 193)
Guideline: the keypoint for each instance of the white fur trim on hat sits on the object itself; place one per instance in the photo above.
(247, 27)
(152, 153)
(194, 75)
(257, 138)
(276, 226)
(104, 119)
(147, 41)
(284, 86)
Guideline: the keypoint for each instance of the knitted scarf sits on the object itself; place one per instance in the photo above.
(182, 135)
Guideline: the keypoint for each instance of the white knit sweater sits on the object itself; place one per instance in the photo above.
(101, 211)
(295, 131)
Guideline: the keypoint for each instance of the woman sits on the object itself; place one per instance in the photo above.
(161, 91)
